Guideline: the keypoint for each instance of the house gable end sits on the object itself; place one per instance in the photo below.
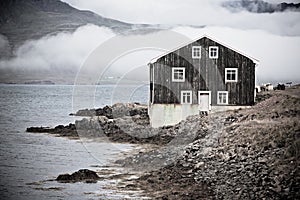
(229, 71)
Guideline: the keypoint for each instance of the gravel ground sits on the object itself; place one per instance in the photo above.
(243, 154)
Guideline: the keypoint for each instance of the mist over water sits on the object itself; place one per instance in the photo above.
(59, 58)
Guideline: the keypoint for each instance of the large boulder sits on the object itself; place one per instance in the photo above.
(82, 175)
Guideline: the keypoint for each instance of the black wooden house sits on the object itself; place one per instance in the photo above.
(204, 75)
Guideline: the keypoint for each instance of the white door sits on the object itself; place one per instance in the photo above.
(204, 100)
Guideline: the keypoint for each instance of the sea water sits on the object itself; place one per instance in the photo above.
(29, 160)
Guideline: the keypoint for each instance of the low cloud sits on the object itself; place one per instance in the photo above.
(61, 51)
(59, 57)
(192, 12)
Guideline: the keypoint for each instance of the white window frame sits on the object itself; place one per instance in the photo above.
(182, 96)
(218, 98)
(193, 52)
(210, 50)
(236, 74)
(173, 73)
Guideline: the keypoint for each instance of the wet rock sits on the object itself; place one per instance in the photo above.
(120, 123)
(61, 130)
(84, 112)
(38, 129)
(82, 175)
(115, 111)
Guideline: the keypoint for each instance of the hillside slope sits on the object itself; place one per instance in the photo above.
(244, 154)
(22, 20)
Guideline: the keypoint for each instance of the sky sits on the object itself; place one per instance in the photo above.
(162, 11)
(273, 39)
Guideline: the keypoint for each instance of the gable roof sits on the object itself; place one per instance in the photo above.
(256, 61)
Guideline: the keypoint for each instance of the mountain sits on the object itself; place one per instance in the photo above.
(259, 6)
(25, 20)
(22, 20)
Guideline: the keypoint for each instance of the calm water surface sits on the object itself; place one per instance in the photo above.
(26, 158)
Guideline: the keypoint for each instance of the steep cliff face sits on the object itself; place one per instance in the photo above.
(22, 20)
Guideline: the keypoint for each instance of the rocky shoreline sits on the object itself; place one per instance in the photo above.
(242, 154)
(128, 123)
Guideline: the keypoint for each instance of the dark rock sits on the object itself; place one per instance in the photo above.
(82, 175)
(86, 112)
(115, 111)
(230, 119)
(120, 122)
(280, 87)
(61, 130)
(38, 129)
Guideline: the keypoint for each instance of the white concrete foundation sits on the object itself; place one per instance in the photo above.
(171, 114)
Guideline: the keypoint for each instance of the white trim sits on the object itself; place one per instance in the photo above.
(221, 103)
(255, 78)
(256, 61)
(191, 96)
(193, 49)
(217, 52)
(153, 84)
(209, 98)
(151, 92)
(178, 68)
(236, 74)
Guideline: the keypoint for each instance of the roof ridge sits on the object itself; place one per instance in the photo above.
(256, 61)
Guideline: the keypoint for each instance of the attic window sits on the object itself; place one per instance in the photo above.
(186, 97)
(178, 74)
(231, 75)
(196, 52)
(222, 97)
(213, 52)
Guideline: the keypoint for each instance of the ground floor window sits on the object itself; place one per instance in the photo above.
(223, 97)
(186, 97)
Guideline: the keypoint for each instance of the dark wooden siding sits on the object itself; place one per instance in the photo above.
(204, 74)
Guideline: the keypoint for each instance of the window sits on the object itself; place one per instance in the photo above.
(196, 52)
(213, 52)
(231, 75)
(222, 97)
(186, 97)
(178, 74)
